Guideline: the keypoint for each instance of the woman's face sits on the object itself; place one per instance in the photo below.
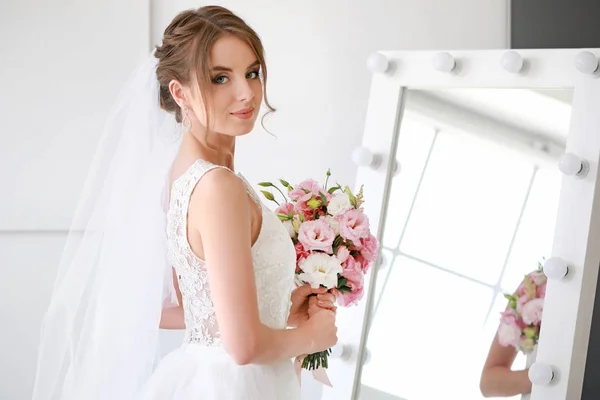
(236, 89)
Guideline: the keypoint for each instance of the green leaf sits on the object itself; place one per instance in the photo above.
(338, 240)
(332, 189)
(323, 199)
(350, 195)
(512, 301)
(268, 195)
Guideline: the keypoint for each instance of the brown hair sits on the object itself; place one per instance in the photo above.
(185, 51)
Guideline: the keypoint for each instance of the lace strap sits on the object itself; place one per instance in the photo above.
(250, 190)
(197, 171)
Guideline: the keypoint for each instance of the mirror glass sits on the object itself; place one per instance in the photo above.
(472, 210)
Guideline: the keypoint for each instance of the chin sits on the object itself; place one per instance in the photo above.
(242, 128)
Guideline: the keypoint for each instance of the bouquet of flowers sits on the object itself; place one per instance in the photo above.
(520, 323)
(334, 245)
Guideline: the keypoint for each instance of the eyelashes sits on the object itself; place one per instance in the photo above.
(223, 79)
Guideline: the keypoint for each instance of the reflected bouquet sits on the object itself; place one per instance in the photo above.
(521, 321)
(334, 245)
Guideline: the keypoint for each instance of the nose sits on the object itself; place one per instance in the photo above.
(244, 92)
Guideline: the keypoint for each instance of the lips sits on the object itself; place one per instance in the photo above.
(244, 113)
(244, 110)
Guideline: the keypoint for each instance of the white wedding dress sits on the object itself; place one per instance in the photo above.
(201, 369)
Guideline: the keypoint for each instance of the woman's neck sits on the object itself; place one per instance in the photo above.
(218, 149)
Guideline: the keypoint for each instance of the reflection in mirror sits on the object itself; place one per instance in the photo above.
(471, 212)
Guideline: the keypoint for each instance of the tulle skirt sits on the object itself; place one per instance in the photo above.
(195, 372)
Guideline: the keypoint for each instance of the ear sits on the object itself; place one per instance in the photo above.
(178, 92)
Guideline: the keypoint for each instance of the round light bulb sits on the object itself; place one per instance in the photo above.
(541, 374)
(366, 356)
(364, 157)
(378, 63)
(570, 164)
(397, 168)
(444, 62)
(512, 62)
(586, 62)
(555, 268)
(382, 260)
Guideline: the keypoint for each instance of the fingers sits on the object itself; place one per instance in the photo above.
(330, 297)
(319, 290)
(324, 301)
(304, 290)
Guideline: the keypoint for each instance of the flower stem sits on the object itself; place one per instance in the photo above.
(283, 195)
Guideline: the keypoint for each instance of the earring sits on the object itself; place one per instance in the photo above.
(185, 121)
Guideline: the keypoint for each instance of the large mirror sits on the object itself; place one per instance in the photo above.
(471, 211)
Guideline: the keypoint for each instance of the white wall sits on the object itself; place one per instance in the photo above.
(53, 77)
(61, 66)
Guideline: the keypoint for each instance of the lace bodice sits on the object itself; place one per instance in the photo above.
(273, 256)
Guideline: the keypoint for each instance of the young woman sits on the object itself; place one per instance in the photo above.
(174, 237)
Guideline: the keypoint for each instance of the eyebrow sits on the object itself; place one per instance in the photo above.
(219, 68)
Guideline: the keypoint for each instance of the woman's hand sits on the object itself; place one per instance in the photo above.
(320, 327)
(307, 301)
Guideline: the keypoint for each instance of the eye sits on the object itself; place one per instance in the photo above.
(221, 79)
(253, 75)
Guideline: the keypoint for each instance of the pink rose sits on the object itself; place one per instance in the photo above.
(354, 225)
(509, 317)
(532, 311)
(301, 255)
(369, 248)
(521, 301)
(342, 253)
(316, 235)
(365, 264)
(509, 335)
(352, 270)
(541, 290)
(538, 277)
(300, 191)
(346, 299)
(307, 211)
(285, 209)
(509, 331)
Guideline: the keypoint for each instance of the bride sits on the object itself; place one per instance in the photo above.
(172, 237)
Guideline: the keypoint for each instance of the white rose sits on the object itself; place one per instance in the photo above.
(290, 228)
(339, 204)
(320, 269)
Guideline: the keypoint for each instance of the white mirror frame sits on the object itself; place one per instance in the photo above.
(569, 301)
